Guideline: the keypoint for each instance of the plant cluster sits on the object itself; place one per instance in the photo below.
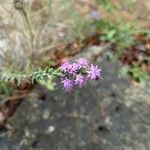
(69, 73)
(118, 32)
(30, 29)
(136, 73)
(122, 34)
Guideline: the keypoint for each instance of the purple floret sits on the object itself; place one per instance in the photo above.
(74, 68)
(65, 66)
(78, 73)
(70, 68)
(82, 62)
(94, 72)
(68, 84)
(80, 80)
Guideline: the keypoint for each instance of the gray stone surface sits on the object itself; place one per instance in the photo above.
(108, 114)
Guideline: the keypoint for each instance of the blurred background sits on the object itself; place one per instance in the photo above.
(108, 114)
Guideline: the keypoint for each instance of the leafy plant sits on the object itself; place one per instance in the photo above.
(108, 4)
(5, 88)
(43, 76)
(138, 74)
(28, 30)
(117, 32)
(135, 72)
(122, 34)
(70, 73)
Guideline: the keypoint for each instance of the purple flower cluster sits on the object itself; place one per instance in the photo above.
(78, 73)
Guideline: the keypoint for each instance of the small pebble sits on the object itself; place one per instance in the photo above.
(51, 129)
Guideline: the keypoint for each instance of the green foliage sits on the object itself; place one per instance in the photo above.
(135, 72)
(109, 6)
(138, 74)
(122, 35)
(49, 84)
(43, 76)
(118, 32)
(46, 77)
(5, 88)
(13, 77)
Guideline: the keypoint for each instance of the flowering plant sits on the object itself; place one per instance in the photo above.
(70, 74)
(78, 73)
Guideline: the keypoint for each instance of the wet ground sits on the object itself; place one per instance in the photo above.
(109, 114)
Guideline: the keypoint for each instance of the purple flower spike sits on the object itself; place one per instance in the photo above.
(68, 84)
(94, 72)
(82, 62)
(78, 73)
(80, 80)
